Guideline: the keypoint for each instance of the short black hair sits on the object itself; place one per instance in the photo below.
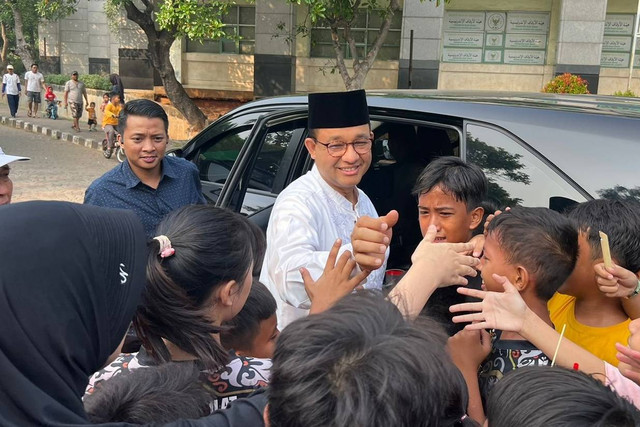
(464, 181)
(240, 331)
(142, 108)
(620, 220)
(543, 241)
(155, 394)
(33, 65)
(360, 363)
(552, 396)
(108, 94)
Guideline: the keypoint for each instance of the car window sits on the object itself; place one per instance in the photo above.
(516, 175)
(216, 159)
(269, 169)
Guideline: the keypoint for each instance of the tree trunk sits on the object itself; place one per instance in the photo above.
(23, 49)
(159, 49)
(5, 43)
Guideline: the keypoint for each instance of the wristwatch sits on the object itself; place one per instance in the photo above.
(636, 291)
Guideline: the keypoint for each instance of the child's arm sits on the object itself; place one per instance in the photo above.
(507, 311)
(618, 282)
(467, 350)
(434, 265)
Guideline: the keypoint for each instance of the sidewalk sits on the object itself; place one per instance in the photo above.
(56, 129)
(59, 128)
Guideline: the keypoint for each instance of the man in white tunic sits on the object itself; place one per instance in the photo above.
(323, 205)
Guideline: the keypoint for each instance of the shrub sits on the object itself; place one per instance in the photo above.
(627, 93)
(567, 83)
(91, 81)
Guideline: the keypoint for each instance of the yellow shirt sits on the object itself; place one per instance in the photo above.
(598, 341)
(109, 111)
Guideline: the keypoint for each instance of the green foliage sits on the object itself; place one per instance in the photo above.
(52, 10)
(627, 93)
(91, 81)
(567, 83)
(56, 79)
(193, 18)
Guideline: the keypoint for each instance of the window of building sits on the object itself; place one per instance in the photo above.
(364, 30)
(240, 26)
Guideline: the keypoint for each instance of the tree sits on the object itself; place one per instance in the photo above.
(497, 164)
(18, 30)
(620, 192)
(339, 16)
(162, 21)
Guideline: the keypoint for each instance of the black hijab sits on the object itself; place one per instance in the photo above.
(70, 280)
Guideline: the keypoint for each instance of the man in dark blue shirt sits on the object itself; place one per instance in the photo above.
(148, 183)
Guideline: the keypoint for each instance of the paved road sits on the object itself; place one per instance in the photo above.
(58, 170)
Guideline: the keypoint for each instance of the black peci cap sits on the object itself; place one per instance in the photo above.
(338, 109)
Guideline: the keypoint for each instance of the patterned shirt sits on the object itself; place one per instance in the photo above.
(121, 188)
(239, 378)
(505, 356)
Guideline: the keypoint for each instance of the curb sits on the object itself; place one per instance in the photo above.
(53, 133)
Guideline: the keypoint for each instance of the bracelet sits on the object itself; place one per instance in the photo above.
(636, 291)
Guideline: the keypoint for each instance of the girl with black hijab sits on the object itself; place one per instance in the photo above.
(116, 86)
(71, 277)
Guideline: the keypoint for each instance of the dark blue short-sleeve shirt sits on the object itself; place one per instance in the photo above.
(121, 188)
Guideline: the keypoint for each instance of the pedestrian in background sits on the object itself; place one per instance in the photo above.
(11, 87)
(74, 91)
(34, 82)
(117, 86)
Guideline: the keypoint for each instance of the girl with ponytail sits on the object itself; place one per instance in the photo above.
(199, 273)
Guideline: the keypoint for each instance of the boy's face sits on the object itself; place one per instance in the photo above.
(105, 98)
(494, 261)
(264, 344)
(583, 277)
(450, 216)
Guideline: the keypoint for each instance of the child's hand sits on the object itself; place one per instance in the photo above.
(478, 245)
(446, 263)
(497, 310)
(629, 362)
(615, 281)
(469, 348)
(491, 217)
(335, 282)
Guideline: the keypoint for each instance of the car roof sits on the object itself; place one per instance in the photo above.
(464, 103)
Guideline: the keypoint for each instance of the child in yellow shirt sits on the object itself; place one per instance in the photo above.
(594, 320)
(92, 121)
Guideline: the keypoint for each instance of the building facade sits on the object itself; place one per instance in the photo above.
(465, 44)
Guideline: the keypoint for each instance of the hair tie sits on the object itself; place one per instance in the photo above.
(165, 246)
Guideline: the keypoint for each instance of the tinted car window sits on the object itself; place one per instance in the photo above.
(216, 160)
(268, 166)
(516, 176)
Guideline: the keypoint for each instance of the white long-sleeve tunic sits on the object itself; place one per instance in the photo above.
(307, 218)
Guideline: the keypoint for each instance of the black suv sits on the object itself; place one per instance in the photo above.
(536, 149)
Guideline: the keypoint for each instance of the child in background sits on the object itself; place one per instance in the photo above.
(105, 100)
(52, 103)
(547, 397)
(594, 320)
(536, 249)
(91, 109)
(253, 331)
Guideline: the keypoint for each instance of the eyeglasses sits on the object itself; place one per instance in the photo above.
(338, 149)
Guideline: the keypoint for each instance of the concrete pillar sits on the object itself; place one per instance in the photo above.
(580, 39)
(425, 19)
(274, 58)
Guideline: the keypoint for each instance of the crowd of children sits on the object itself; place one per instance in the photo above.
(537, 292)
